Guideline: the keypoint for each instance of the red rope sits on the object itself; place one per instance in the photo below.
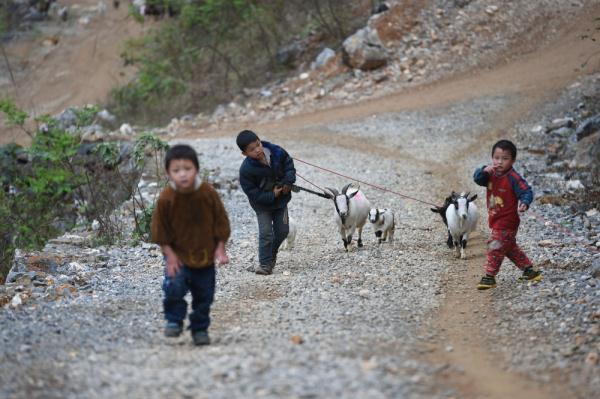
(364, 182)
(560, 228)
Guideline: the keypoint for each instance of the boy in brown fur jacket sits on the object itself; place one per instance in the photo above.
(191, 226)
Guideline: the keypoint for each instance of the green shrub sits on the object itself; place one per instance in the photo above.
(214, 48)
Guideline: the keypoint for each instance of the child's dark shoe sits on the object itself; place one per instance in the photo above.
(486, 283)
(200, 337)
(262, 270)
(531, 274)
(173, 329)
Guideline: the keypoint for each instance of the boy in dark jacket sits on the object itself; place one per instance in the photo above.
(266, 176)
(507, 195)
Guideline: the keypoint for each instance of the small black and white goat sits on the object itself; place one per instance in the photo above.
(462, 217)
(442, 211)
(352, 210)
(384, 224)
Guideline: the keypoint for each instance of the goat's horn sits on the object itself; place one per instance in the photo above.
(346, 188)
(333, 191)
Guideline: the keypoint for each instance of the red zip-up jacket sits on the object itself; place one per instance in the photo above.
(503, 195)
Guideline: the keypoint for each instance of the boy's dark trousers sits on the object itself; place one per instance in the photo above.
(201, 283)
(273, 228)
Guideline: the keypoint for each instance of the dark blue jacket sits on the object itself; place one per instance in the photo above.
(254, 176)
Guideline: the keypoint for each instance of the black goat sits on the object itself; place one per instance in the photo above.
(442, 211)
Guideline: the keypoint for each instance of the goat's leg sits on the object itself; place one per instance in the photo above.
(456, 246)
(463, 246)
(360, 244)
(449, 241)
(344, 240)
(392, 231)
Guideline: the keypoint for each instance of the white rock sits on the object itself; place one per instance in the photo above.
(491, 10)
(75, 267)
(304, 76)
(126, 129)
(574, 185)
(16, 301)
(107, 116)
(537, 129)
(591, 212)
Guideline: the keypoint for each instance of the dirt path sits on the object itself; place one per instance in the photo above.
(530, 80)
(523, 85)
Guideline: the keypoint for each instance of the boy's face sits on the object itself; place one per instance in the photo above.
(183, 173)
(254, 150)
(502, 160)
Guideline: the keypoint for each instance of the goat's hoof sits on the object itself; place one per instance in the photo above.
(463, 256)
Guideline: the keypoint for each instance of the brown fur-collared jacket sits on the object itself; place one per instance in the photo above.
(191, 223)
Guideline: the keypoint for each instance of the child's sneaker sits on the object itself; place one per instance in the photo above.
(262, 270)
(200, 337)
(486, 283)
(173, 329)
(531, 274)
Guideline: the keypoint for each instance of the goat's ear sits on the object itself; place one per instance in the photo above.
(332, 192)
(346, 188)
(353, 194)
(435, 210)
(473, 198)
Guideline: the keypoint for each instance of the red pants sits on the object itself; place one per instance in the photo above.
(504, 243)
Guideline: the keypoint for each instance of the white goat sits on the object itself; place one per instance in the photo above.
(288, 243)
(352, 210)
(384, 223)
(462, 220)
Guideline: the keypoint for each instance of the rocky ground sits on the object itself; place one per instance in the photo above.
(558, 321)
(327, 322)
(84, 321)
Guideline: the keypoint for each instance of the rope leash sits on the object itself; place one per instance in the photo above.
(362, 182)
(560, 228)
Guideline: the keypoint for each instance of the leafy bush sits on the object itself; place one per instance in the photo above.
(37, 195)
(214, 48)
(44, 188)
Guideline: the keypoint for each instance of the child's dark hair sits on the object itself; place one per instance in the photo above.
(181, 151)
(506, 145)
(245, 138)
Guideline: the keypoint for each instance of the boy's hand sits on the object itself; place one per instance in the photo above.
(490, 170)
(277, 191)
(220, 255)
(523, 207)
(173, 265)
(173, 262)
(286, 189)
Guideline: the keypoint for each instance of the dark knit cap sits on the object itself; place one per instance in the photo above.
(244, 138)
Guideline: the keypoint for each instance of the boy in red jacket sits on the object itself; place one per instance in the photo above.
(507, 195)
